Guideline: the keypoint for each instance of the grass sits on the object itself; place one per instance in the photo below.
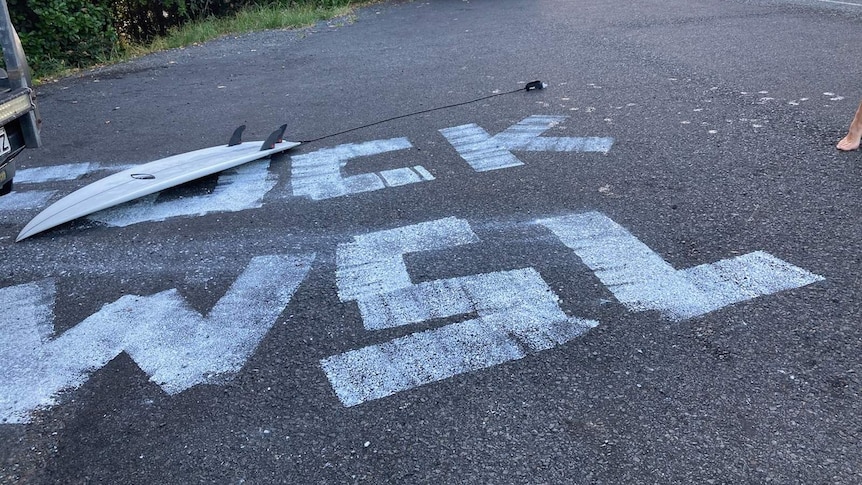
(252, 19)
(266, 17)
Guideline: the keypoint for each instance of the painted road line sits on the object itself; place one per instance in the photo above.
(518, 314)
(317, 175)
(641, 280)
(484, 152)
(176, 346)
(241, 188)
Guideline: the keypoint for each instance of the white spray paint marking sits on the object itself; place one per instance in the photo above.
(747, 277)
(68, 171)
(25, 200)
(641, 280)
(484, 152)
(374, 263)
(238, 189)
(518, 314)
(177, 347)
(317, 175)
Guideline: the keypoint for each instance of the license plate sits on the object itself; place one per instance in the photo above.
(5, 147)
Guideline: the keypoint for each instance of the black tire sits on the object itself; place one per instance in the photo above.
(7, 187)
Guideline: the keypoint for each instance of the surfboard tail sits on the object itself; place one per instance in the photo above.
(273, 138)
(236, 138)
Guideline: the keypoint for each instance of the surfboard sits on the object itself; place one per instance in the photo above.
(152, 177)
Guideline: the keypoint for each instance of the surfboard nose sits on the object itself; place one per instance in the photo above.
(150, 178)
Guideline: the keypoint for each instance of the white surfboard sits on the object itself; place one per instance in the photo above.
(147, 179)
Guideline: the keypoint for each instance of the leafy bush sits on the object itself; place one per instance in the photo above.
(79, 33)
(139, 21)
(60, 33)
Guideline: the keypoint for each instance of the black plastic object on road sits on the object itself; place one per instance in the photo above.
(534, 85)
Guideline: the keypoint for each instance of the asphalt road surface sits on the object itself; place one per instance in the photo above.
(647, 272)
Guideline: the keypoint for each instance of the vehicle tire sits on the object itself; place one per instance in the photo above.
(7, 187)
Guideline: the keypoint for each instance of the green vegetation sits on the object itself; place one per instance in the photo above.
(64, 33)
(59, 35)
(250, 19)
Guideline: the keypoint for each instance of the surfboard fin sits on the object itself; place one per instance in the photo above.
(236, 138)
(273, 138)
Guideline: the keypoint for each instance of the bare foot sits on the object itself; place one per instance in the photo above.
(849, 143)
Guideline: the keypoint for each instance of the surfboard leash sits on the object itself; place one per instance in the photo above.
(530, 86)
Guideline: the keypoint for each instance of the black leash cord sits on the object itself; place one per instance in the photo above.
(529, 87)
